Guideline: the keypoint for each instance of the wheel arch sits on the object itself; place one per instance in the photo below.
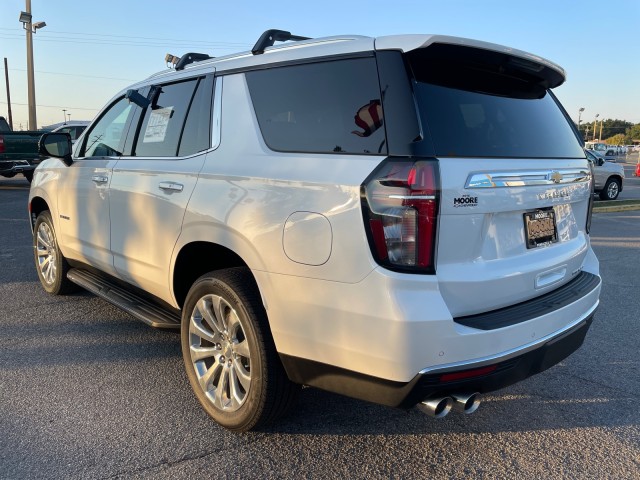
(37, 205)
(197, 258)
(619, 179)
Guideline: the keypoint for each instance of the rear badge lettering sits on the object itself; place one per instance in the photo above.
(553, 194)
(465, 201)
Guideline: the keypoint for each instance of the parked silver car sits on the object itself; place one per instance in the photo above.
(608, 176)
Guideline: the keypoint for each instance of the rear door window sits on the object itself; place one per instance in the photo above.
(326, 107)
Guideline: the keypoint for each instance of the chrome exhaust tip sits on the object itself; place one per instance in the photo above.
(436, 407)
(466, 402)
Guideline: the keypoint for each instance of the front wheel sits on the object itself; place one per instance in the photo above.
(229, 354)
(51, 265)
(611, 189)
(28, 175)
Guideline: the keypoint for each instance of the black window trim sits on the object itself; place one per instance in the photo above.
(130, 152)
(297, 61)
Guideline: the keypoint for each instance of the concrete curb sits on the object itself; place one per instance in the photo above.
(616, 206)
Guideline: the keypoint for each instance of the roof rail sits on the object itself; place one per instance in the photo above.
(189, 58)
(268, 38)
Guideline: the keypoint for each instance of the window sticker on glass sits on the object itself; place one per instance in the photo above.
(157, 126)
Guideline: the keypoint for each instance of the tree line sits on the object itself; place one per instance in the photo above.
(614, 131)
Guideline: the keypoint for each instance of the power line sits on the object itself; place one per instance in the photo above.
(122, 44)
(54, 106)
(73, 74)
(235, 44)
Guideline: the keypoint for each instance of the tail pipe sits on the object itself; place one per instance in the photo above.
(466, 402)
(441, 406)
(436, 407)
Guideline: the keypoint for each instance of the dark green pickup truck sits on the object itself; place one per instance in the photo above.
(18, 151)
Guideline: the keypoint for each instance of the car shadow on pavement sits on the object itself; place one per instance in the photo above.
(516, 409)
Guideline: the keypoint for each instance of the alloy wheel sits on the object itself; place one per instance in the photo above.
(219, 353)
(46, 253)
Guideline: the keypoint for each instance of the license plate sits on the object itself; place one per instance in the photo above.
(540, 228)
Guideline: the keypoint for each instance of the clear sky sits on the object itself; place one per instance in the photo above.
(90, 50)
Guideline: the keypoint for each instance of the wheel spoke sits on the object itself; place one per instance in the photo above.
(243, 376)
(234, 324)
(237, 396)
(242, 348)
(197, 329)
(206, 379)
(219, 309)
(199, 353)
(42, 240)
(46, 261)
(208, 315)
(221, 387)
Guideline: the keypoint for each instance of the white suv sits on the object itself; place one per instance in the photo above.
(402, 219)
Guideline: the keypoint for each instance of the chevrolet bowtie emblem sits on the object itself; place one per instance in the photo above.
(555, 176)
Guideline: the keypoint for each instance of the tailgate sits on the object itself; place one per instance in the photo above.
(511, 231)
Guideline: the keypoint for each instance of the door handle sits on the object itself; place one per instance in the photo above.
(100, 178)
(171, 186)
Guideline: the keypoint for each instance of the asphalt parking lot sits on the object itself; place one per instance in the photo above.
(86, 391)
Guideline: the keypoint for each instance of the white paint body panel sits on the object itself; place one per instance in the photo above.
(146, 220)
(296, 221)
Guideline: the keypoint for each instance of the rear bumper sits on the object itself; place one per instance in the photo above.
(15, 166)
(488, 374)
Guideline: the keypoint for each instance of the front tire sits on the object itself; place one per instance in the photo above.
(229, 354)
(611, 189)
(51, 265)
(28, 175)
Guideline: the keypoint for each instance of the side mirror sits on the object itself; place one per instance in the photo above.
(600, 162)
(56, 145)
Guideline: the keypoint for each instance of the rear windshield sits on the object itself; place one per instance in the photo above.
(480, 108)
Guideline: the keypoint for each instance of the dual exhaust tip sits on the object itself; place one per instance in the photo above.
(440, 407)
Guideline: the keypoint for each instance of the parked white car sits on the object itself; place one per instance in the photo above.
(608, 176)
(403, 220)
(74, 129)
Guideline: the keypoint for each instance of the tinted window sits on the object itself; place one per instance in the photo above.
(475, 107)
(74, 131)
(322, 107)
(197, 130)
(162, 124)
(107, 134)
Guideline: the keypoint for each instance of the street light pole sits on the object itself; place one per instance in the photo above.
(601, 120)
(580, 117)
(33, 125)
(64, 115)
(30, 28)
(595, 124)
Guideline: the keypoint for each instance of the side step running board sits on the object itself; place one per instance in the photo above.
(131, 303)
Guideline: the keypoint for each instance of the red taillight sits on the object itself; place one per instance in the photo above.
(478, 372)
(401, 206)
(1, 143)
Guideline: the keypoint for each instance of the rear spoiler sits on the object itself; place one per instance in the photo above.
(549, 74)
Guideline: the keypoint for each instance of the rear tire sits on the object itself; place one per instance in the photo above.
(28, 175)
(611, 189)
(51, 265)
(229, 354)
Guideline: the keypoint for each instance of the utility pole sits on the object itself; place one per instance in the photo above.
(33, 124)
(601, 129)
(6, 77)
